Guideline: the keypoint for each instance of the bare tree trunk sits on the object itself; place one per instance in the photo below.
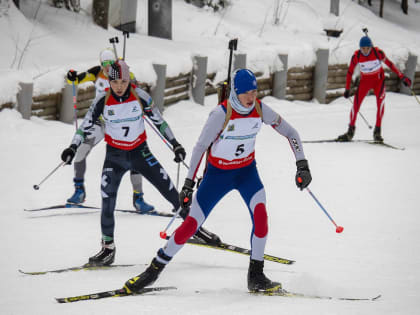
(404, 6)
(381, 9)
(100, 12)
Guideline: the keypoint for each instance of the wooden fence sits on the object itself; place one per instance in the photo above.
(300, 84)
(177, 88)
(299, 87)
(416, 85)
(46, 106)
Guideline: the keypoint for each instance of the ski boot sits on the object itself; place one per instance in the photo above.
(207, 237)
(257, 281)
(106, 255)
(346, 137)
(377, 134)
(79, 195)
(139, 204)
(149, 276)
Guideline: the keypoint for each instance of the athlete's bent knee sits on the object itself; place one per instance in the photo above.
(260, 221)
(185, 231)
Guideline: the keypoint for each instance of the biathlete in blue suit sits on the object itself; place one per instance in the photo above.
(229, 137)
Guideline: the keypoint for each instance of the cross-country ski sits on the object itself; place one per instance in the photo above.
(285, 293)
(259, 156)
(110, 293)
(78, 268)
(80, 206)
(378, 143)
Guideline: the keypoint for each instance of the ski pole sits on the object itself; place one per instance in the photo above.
(162, 137)
(126, 35)
(361, 115)
(75, 106)
(36, 187)
(414, 94)
(163, 233)
(338, 228)
(177, 176)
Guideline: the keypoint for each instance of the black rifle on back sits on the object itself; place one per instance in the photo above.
(225, 89)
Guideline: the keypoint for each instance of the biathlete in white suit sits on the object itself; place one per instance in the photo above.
(122, 107)
(229, 134)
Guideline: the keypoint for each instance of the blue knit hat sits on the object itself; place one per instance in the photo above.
(365, 41)
(244, 81)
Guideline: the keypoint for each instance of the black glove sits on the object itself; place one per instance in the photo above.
(185, 196)
(69, 153)
(303, 174)
(346, 93)
(406, 81)
(179, 151)
(72, 75)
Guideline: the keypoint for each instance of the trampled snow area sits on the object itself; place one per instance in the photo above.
(370, 190)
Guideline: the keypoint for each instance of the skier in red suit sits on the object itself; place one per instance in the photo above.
(372, 76)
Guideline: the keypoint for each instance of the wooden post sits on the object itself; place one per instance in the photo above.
(24, 99)
(321, 75)
(199, 77)
(280, 79)
(239, 61)
(409, 72)
(158, 91)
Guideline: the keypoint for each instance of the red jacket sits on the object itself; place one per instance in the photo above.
(370, 66)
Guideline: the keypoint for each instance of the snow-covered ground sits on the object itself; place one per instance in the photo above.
(370, 190)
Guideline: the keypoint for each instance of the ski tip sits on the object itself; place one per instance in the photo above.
(31, 273)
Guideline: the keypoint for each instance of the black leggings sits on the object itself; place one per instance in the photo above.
(141, 160)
